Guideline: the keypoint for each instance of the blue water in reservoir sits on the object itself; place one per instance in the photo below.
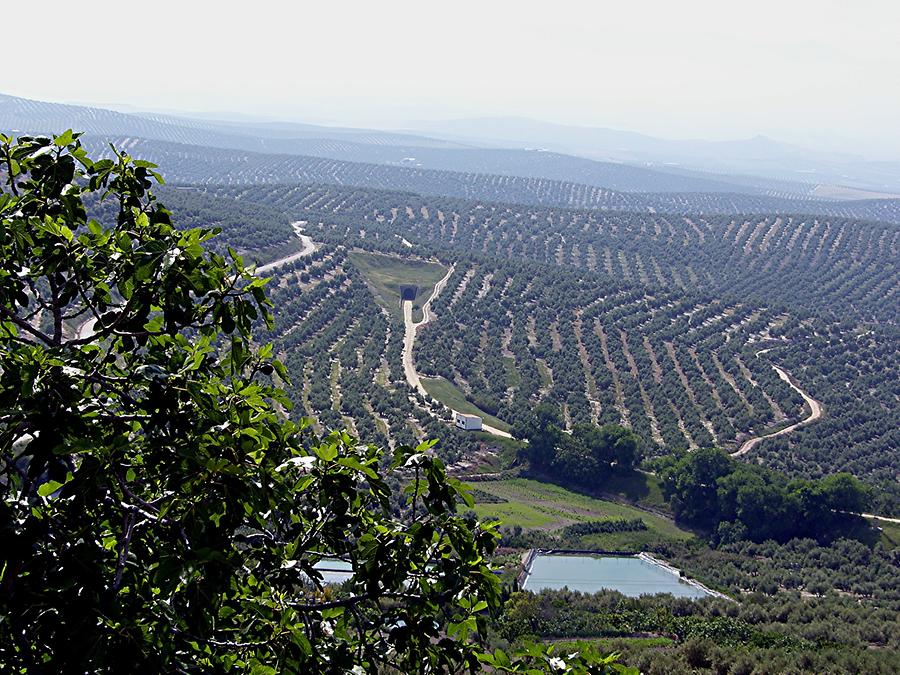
(589, 574)
(334, 571)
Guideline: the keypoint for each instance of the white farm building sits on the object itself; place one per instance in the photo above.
(467, 422)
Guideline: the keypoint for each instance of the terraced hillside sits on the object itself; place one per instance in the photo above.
(511, 335)
(833, 265)
(648, 319)
(261, 233)
(342, 351)
(651, 320)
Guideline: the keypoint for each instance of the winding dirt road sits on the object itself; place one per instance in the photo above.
(86, 329)
(815, 412)
(309, 247)
(409, 337)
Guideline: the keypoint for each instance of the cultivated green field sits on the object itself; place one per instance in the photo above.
(532, 504)
(635, 487)
(612, 644)
(890, 534)
(384, 274)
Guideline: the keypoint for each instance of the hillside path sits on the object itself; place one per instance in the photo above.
(309, 247)
(86, 328)
(872, 516)
(409, 337)
(815, 412)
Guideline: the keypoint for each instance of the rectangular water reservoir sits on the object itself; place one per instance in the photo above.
(631, 576)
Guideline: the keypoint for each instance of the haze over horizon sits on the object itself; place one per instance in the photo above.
(421, 338)
(813, 74)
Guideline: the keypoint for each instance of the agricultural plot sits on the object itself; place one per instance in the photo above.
(450, 395)
(831, 265)
(531, 504)
(261, 233)
(651, 320)
(616, 355)
(385, 276)
(702, 319)
(342, 352)
(856, 377)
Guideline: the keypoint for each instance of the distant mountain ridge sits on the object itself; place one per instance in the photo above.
(19, 114)
(203, 152)
(372, 146)
(759, 155)
(616, 142)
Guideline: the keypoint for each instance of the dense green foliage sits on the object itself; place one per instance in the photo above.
(648, 320)
(261, 233)
(851, 569)
(167, 513)
(761, 635)
(802, 607)
(565, 614)
(710, 490)
(854, 371)
(681, 370)
(584, 455)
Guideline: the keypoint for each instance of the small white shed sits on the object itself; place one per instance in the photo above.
(468, 422)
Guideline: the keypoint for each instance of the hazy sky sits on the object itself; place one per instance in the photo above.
(818, 71)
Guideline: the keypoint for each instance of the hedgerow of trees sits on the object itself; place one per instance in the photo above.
(584, 455)
(736, 501)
